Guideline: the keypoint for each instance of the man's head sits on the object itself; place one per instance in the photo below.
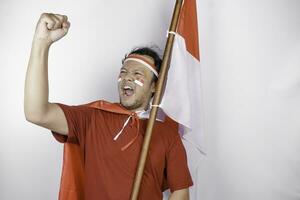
(137, 78)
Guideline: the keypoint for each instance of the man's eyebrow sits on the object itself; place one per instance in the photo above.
(139, 70)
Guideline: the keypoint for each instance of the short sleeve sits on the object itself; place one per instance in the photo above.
(178, 174)
(78, 119)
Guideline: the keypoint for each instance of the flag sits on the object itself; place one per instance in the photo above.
(182, 100)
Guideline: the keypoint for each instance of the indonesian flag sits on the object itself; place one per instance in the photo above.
(182, 99)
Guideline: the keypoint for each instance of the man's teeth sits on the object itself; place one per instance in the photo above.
(127, 87)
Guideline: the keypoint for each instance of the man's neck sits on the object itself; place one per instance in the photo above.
(142, 108)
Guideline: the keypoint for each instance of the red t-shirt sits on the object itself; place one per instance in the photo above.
(109, 171)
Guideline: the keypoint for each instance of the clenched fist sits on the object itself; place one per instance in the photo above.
(51, 27)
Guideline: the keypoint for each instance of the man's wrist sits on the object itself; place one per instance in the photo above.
(41, 43)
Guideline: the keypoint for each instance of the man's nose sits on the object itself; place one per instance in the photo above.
(129, 77)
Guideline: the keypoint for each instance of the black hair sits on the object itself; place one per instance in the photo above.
(148, 51)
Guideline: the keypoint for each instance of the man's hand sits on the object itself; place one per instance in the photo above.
(51, 27)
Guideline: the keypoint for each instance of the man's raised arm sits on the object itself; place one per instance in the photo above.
(37, 109)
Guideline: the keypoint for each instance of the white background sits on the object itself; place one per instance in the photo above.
(251, 87)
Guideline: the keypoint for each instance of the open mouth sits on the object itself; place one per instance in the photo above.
(128, 91)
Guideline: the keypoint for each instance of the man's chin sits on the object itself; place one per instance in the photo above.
(128, 104)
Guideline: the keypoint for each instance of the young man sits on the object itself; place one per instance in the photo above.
(109, 135)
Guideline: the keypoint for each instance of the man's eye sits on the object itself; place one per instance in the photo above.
(138, 73)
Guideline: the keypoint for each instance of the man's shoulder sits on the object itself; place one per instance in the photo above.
(94, 107)
(107, 106)
(167, 129)
(169, 124)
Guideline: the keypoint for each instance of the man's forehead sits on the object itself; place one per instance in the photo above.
(131, 64)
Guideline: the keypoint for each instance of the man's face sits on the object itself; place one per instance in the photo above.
(132, 95)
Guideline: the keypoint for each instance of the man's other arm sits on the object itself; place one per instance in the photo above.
(37, 108)
(182, 194)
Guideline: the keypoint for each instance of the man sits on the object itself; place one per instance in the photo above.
(109, 135)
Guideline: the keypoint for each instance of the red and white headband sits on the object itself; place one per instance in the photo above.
(143, 61)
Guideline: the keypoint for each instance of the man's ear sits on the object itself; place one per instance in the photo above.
(153, 86)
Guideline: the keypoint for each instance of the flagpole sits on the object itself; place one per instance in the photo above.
(156, 101)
